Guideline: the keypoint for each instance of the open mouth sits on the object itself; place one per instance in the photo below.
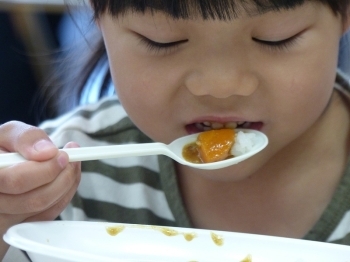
(207, 125)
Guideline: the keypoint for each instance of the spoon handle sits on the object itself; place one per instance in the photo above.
(95, 153)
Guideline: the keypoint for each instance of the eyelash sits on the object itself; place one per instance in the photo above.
(282, 45)
(156, 47)
(167, 48)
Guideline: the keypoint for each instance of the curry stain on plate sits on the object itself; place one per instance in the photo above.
(189, 236)
(247, 259)
(172, 232)
(168, 231)
(218, 240)
(115, 230)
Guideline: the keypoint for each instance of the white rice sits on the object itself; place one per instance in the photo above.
(244, 143)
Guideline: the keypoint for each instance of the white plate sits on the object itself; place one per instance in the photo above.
(91, 241)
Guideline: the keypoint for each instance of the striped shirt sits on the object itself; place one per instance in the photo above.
(140, 190)
(144, 190)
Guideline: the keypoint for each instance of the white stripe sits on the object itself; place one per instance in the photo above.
(342, 229)
(72, 213)
(98, 121)
(76, 214)
(61, 120)
(98, 187)
(65, 136)
(149, 162)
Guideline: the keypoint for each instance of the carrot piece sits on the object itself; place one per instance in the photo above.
(215, 145)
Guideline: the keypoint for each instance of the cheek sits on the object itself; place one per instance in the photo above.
(145, 95)
(135, 94)
(298, 96)
(299, 111)
(307, 85)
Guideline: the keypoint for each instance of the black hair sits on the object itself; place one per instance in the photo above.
(207, 9)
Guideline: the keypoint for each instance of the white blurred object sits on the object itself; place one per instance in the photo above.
(63, 241)
(14, 254)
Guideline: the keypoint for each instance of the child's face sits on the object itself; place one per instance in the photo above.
(275, 71)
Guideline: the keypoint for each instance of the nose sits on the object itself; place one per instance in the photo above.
(221, 81)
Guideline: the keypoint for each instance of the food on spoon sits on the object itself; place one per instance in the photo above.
(216, 145)
(244, 143)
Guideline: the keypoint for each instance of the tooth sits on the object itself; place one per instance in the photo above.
(231, 125)
(246, 125)
(206, 123)
(240, 122)
(216, 125)
(206, 128)
(199, 126)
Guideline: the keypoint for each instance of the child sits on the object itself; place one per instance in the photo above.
(180, 67)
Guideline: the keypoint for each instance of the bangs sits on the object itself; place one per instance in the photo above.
(187, 9)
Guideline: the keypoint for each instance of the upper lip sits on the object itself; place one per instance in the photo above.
(217, 119)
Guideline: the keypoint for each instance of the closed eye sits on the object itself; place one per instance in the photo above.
(281, 45)
(157, 47)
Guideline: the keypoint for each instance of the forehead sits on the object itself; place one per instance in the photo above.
(186, 9)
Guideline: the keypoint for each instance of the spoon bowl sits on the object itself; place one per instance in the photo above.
(176, 147)
(173, 150)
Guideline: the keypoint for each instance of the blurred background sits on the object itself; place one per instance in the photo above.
(32, 34)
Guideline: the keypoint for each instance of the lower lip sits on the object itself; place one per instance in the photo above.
(192, 129)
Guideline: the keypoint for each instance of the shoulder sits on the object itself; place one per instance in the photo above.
(102, 123)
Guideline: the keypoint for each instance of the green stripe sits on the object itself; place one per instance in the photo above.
(88, 113)
(102, 106)
(129, 175)
(335, 211)
(172, 191)
(121, 133)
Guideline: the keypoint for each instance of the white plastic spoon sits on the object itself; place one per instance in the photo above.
(173, 150)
